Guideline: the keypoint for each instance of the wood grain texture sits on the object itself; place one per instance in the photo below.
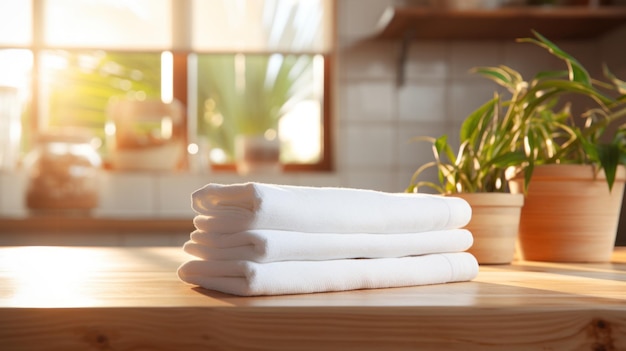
(130, 299)
(342, 328)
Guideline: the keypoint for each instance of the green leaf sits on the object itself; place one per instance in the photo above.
(609, 155)
(471, 124)
(551, 74)
(563, 86)
(577, 72)
(498, 75)
(619, 84)
(508, 159)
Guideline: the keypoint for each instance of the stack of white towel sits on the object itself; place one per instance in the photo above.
(263, 239)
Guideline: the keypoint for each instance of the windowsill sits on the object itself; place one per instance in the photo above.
(59, 224)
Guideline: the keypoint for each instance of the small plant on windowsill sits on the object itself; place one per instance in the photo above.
(248, 95)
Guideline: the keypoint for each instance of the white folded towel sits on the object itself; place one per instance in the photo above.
(239, 207)
(247, 278)
(275, 245)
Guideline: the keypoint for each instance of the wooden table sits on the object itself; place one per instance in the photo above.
(74, 298)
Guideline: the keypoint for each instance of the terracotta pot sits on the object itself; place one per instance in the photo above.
(569, 214)
(494, 225)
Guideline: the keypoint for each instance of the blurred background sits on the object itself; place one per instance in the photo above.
(115, 111)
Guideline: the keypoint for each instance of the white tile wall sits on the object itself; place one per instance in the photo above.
(368, 100)
(422, 100)
(370, 145)
(373, 119)
(368, 60)
(465, 55)
(427, 60)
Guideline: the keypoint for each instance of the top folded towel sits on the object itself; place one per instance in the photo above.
(239, 207)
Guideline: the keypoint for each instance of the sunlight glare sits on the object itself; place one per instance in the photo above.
(15, 68)
(193, 149)
(240, 73)
(52, 276)
(300, 130)
(109, 128)
(217, 155)
(167, 77)
(167, 128)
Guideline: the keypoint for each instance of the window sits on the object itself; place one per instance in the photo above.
(76, 86)
(248, 93)
(237, 66)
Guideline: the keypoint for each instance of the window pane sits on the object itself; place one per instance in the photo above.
(118, 24)
(273, 95)
(262, 25)
(76, 87)
(15, 76)
(15, 22)
(15, 68)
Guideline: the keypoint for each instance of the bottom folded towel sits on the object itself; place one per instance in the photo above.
(247, 278)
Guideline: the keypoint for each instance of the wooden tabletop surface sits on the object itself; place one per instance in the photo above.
(78, 298)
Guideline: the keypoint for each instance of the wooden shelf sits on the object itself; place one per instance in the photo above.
(408, 24)
(499, 24)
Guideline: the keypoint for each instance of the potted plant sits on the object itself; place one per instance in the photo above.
(573, 200)
(477, 172)
(508, 141)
